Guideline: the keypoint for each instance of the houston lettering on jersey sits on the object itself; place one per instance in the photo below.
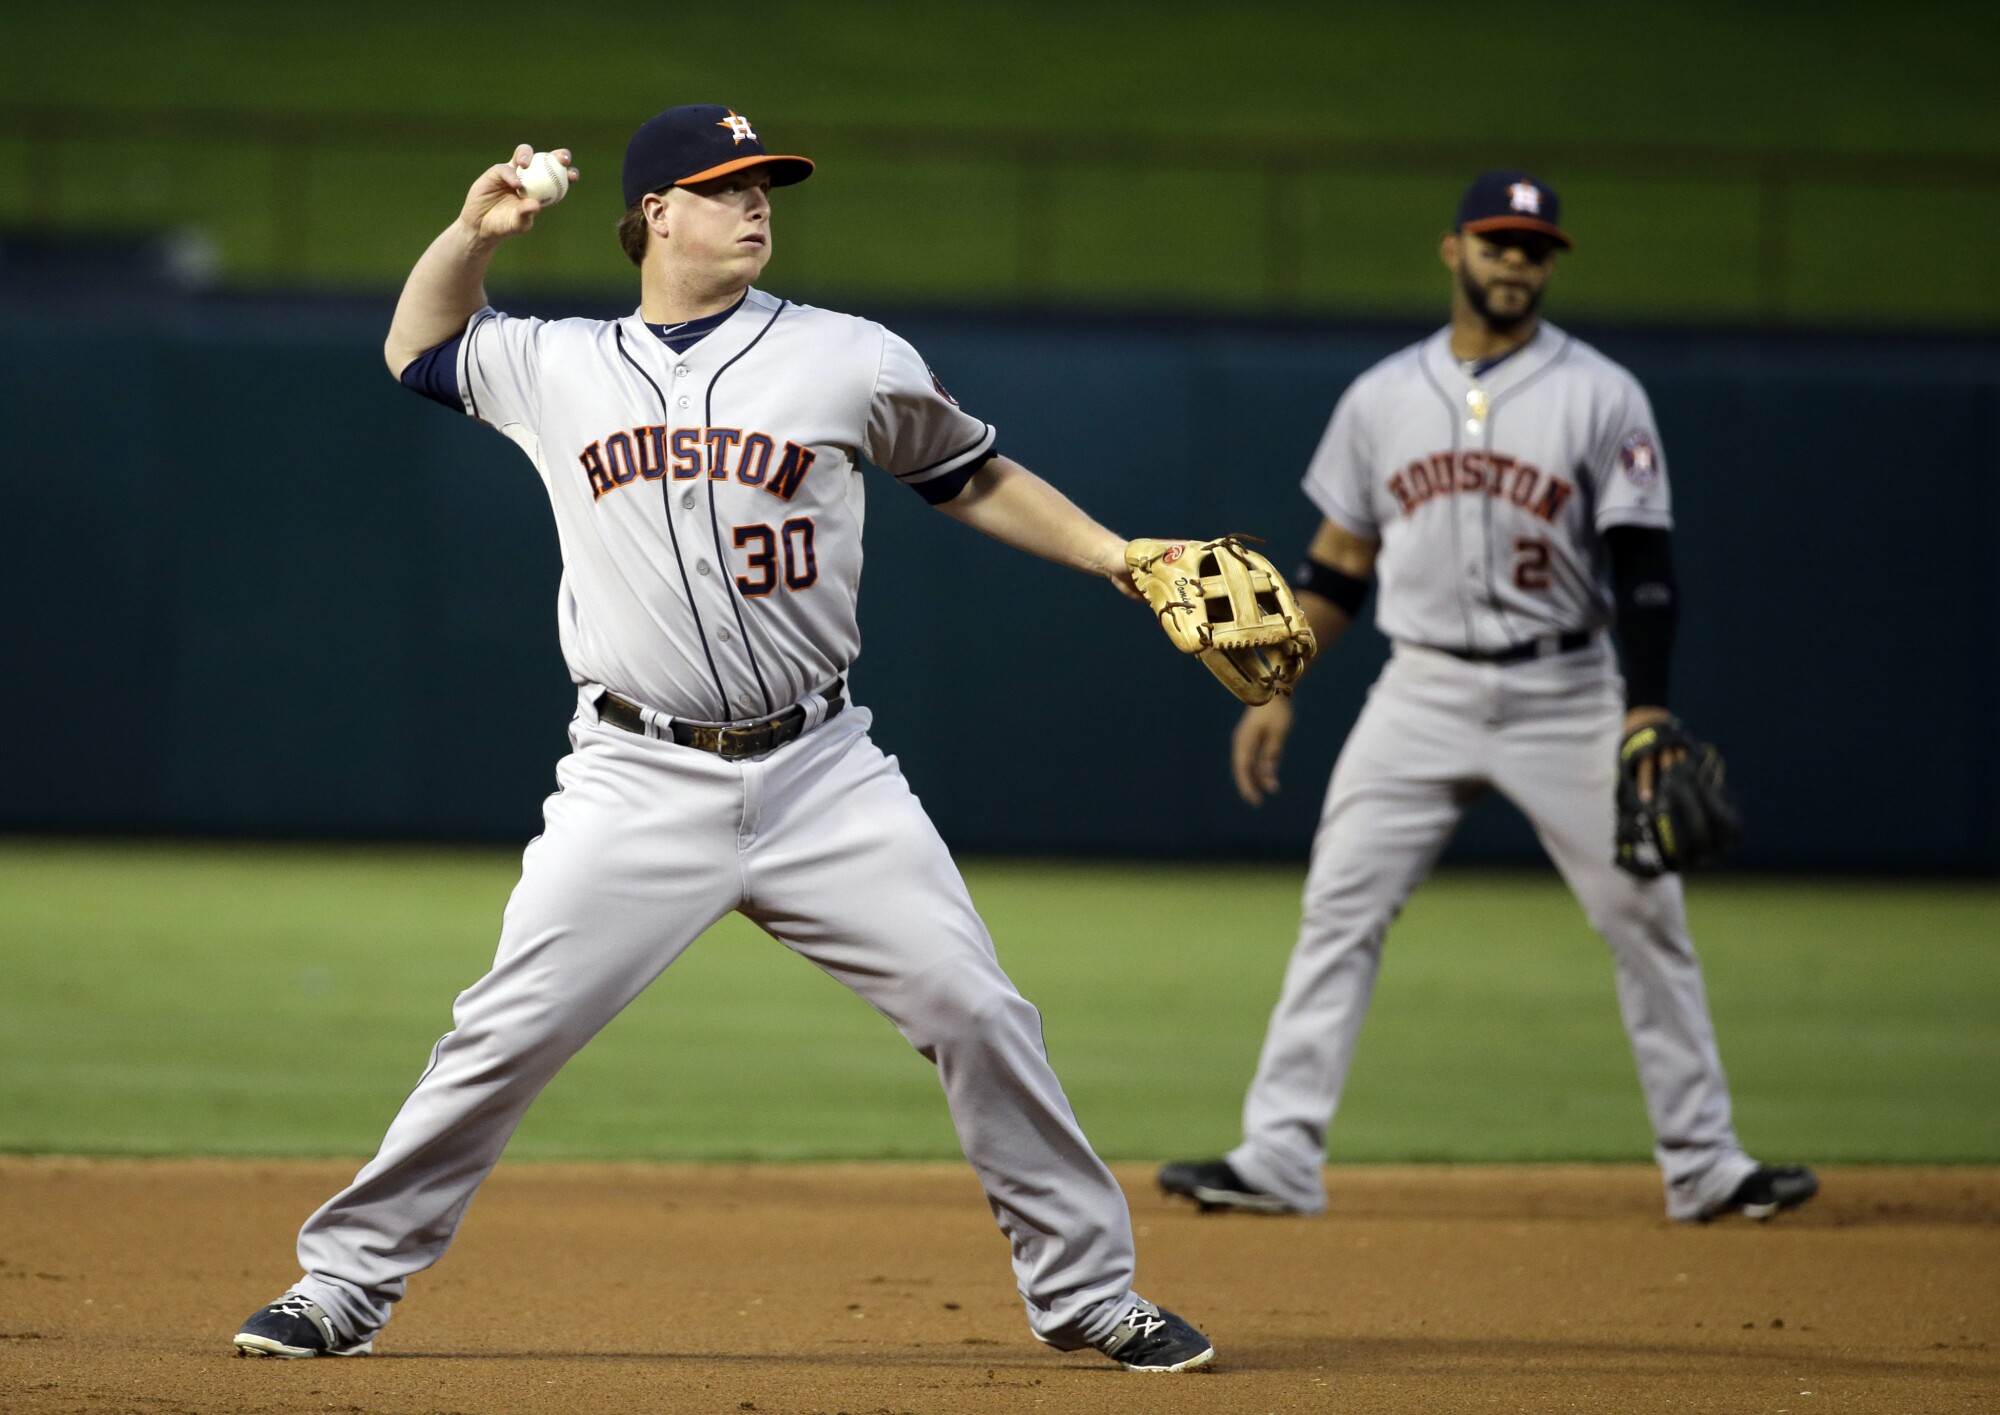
(1471, 472)
(688, 453)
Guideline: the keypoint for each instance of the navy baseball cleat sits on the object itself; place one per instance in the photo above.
(1213, 1185)
(292, 1328)
(1768, 1190)
(1150, 1338)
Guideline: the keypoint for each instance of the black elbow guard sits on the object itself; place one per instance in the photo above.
(1344, 591)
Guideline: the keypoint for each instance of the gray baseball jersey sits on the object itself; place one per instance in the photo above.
(741, 599)
(708, 497)
(1489, 488)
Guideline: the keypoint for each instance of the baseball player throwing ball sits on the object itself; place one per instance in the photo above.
(1495, 477)
(703, 456)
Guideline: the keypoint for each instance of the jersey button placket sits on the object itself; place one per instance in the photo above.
(1474, 506)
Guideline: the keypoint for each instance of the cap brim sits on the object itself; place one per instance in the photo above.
(785, 171)
(1521, 223)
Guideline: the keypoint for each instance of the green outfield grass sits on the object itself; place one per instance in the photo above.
(281, 1001)
(899, 218)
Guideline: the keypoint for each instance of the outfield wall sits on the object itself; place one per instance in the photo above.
(253, 588)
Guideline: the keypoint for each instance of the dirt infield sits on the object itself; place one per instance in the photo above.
(871, 1289)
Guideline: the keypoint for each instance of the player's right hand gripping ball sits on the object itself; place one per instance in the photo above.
(1691, 818)
(545, 178)
(1223, 601)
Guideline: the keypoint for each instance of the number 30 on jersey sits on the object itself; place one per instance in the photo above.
(764, 544)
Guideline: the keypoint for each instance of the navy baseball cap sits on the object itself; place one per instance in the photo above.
(696, 142)
(1512, 201)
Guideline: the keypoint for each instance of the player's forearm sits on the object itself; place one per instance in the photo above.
(1334, 581)
(1329, 621)
(446, 287)
(1010, 503)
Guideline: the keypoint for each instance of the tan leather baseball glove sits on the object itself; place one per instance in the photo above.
(1224, 602)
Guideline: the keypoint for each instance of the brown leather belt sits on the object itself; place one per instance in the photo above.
(728, 740)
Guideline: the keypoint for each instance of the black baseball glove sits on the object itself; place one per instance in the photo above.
(1674, 808)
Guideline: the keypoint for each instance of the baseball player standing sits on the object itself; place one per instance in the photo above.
(1494, 476)
(703, 457)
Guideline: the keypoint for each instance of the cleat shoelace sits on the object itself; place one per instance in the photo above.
(304, 1309)
(1143, 1322)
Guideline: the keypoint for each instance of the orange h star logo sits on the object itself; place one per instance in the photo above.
(739, 128)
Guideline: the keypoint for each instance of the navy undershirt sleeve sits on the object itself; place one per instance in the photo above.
(939, 490)
(434, 373)
(1648, 600)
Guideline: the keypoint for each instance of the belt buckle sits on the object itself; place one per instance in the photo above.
(732, 741)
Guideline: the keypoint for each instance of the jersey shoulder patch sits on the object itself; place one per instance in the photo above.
(1639, 459)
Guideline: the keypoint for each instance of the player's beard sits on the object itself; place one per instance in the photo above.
(1475, 294)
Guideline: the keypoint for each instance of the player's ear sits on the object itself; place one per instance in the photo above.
(1448, 250)
(653, 206)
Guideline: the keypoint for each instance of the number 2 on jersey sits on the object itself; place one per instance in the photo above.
(1531, 563)
(801, 562)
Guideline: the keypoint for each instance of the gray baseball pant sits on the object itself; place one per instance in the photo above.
(1436, 732)
(823, 845)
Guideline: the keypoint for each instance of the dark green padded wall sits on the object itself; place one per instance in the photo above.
(253, 588)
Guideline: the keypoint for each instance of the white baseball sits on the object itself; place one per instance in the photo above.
(545, 178)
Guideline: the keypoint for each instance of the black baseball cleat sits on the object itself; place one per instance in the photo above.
(1214, 1185)
(292, 1328)
(1150, 1338)
(1768, 1190)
